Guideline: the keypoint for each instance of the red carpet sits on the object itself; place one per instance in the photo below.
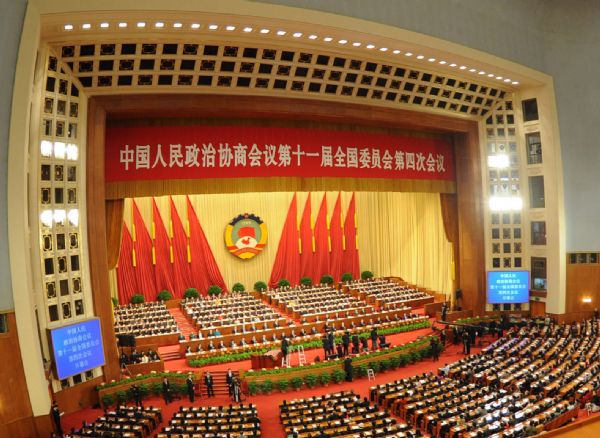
(184, 324)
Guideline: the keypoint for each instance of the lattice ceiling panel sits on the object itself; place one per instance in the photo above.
(109, 67)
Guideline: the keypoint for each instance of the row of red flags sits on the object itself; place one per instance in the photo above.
(182, 258)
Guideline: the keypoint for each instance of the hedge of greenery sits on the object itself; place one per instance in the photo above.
(307, 345)
(140, 377)
(477, 319)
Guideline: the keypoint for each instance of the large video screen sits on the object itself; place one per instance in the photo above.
(508, 287)
(77, 348)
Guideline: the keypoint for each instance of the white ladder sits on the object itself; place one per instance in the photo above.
(371, 374)
(301, 355)
(285, 361)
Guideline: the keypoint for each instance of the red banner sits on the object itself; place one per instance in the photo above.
(194, 152)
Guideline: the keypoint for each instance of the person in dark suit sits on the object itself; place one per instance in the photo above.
(136, 394)
(166, 390)
(346, 342)
(285, 344)
(324, 343)
(444, 310)
(190, 387)
(348, 368)
(55, 412)
(331, 342)
(374, 338)
(355, 344)
(466, 339)
(229, 378)
(208, 382)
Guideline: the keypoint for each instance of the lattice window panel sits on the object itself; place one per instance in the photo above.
(110, 66)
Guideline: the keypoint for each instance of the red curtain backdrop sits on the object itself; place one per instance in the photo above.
(351, 263)
(203, 267)
(287, 260)
(306, 241)
(336, 236)
(181, 267)
(144, 268)
(126, 280)
(163, 269)
(321, 232)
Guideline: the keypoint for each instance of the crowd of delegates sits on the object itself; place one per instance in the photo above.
(213, 421)
(123, 422)
(535, 377)
(146, 319)
(236, 312)
(351, 343)
(317, 300)
(339, 414)
(387, 293)
(138, 357)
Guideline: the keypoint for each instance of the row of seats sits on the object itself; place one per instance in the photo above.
(387, 293)
(146, 319)
(126, 422)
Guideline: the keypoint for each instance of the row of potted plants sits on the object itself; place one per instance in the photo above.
(307, 345)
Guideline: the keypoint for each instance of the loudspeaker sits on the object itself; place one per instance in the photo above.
(458, 294)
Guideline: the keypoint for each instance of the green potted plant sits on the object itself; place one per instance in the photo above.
(385, 365)
(325, 378)
(144, 390)
(296, 383)
(137, 299)
(374, 366)
(394, 362)
(164, 295)
(238, 287)
(327, 279)
(360, 371)
(283, 283)
(346, 277)
(306, 281)
(253, 387)
(214, 291)
(108, 400)
(267, 387)
(121, 397)
(191, 293)
(311, 380)
(404, 360)
(283, 385)
(338, 375)
(157, 388)
(260, 286)
(115, 301)
(366, 275)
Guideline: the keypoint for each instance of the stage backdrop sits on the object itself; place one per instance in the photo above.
(399, 234)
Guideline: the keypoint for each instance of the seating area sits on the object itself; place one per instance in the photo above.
(124, 421)
(316, 303)
(388, 294)
(213, 421)
(342, 414)
(146, 319)
(535, 378)
(237, 312)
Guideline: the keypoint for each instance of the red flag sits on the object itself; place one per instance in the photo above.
(321, 248)
(306, 242)
(351, 262)
(181, 268)
(287, 260)
(126, 280)
(144, 269)
(163, 270)
(336, 236)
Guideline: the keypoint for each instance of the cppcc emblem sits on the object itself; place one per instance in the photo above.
(245, 236)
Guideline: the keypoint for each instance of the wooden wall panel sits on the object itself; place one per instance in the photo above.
(16, 416)
(583, 281)
(537, 308)
(79, 396)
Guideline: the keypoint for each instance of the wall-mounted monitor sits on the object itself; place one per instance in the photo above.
(77, 348)
(508, 287)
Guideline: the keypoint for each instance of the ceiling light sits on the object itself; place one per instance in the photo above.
(383, 49)
(500, 161)
(356, 44)
(46, 218)
(342, 41)
(265, 31)
(370, 46)
(195, 26)
(499, 77)
(408, 54)
(60, 150)
(59, 216)
(505, 203)
(328, 39)
(396, 52)
(73, 217)
(420, 57)
(281, 32)
(463, 67)
(312, 37)
(72, 152)
(86, 26)
(104, 25)
(213, 27)
(472, 70)
(443, 62)
(159, 24)
(490, 75)
(297, 34)
(431, 59)
(481, 72)
(247, 29)
(587, 300)
(141, 24)
(453, 65)
(230, 27)
(515, 82)
(68, 27)
(122, 24)
(46, 148)
(506, 80)
(177, 25)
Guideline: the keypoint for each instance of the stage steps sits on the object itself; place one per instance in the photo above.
(185, 326)
(169, 352)
(219, 382)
